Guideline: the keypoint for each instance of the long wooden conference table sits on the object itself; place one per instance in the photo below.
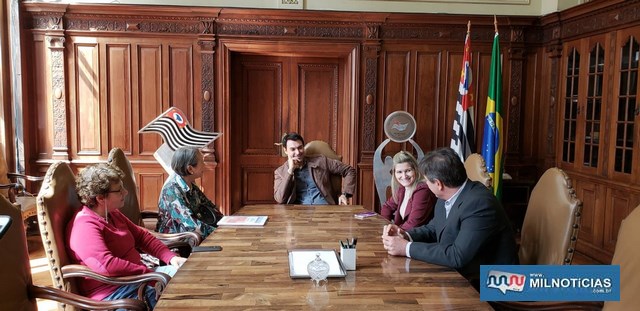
(252, 270)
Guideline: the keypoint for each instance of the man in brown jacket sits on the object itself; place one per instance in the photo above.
(307, 179)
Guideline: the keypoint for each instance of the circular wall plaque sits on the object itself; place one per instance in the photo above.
(400, 126)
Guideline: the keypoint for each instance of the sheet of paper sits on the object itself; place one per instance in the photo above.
(242, 221)
(300, 258)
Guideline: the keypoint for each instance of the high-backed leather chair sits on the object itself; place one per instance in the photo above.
(549, 235)
(320, 147)
(17, 292)
(627, 255)
(57, 203)
(131, 207)
(550, 227)
(476, 169)
(15, 191)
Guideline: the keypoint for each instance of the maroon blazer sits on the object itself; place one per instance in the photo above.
(419, 208)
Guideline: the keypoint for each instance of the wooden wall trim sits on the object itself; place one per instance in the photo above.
(207, 46)
(55, 43)
(591, 18)
(371, 53)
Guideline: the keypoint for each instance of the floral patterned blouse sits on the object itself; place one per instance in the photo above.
(174, 215)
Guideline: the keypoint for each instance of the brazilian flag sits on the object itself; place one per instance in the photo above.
(492, 142)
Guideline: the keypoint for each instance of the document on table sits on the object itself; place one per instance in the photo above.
(300, 258)
(242, 221)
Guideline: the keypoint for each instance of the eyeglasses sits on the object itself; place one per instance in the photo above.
(121, 190)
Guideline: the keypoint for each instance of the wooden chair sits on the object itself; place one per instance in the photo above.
(320, 147)
(17, 292)
(476, 169)
(550, 227)
(15, 191)
(57, 203)
(131, 207)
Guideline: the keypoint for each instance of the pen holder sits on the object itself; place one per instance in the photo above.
(348, 258)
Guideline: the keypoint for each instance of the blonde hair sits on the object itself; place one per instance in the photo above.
(399, 158)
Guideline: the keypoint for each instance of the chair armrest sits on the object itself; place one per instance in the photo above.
(78, 301)
(547, 305)
(21, 191)
(148, 214)
(10, 186)
(74, 271)
(26, 177)
(173, 240)
(14, 189)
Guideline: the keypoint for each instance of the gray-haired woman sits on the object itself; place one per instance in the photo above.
(182, 206)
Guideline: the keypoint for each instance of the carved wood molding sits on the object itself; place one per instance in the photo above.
(370, 56)
(551, 120)
(615, 15)
(134, 23)
(59, 102)
(290, 28)
(517, 59)
(207, 52)
(45, 20)
(438, 32)
(120, 23)
(574, 23)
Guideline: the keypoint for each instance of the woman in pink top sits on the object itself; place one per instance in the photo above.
(412, 202)
(102, 238)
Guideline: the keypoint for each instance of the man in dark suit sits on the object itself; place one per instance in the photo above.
(469, 228)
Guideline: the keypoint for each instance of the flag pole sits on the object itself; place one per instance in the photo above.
(495, 23)
(468, 27)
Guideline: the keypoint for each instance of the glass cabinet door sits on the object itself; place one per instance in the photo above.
(585, 67)
(623, 149)
(593, 106)
(569, 104)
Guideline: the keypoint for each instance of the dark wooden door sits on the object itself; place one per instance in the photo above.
(272, 95)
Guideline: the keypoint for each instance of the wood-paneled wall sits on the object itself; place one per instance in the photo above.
(98, 73)
(93, 75)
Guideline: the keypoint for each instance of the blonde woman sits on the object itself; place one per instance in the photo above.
(412, 202)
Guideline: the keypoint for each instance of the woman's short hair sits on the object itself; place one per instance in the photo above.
(291, 136)
(445, 165)
(95, 180)
(399, 158)
(182, 158)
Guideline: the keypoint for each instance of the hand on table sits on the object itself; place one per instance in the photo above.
(394, 240)
(177, 261)
(343, 200)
